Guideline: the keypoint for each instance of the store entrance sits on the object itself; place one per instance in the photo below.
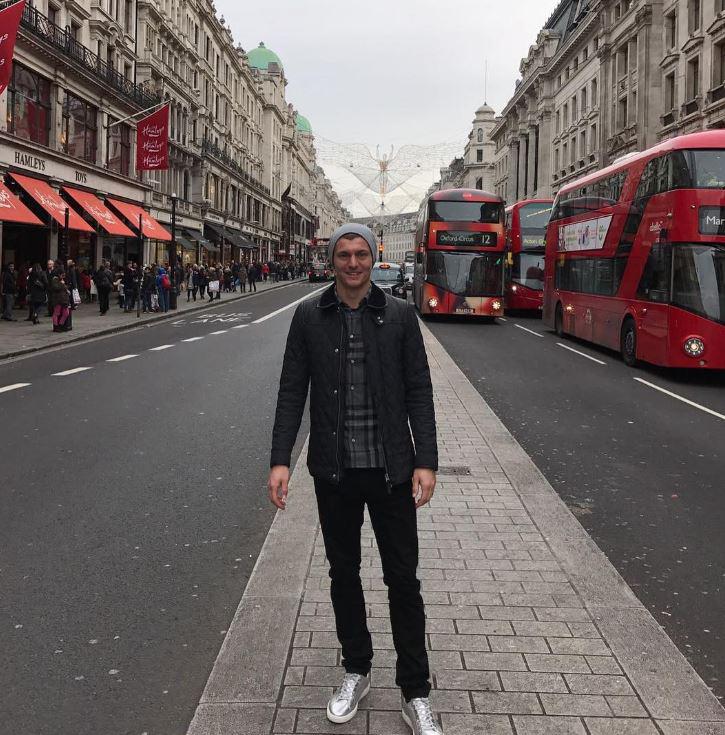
(25, 244)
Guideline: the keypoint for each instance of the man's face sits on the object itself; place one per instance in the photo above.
(50, 265)
(353, 262)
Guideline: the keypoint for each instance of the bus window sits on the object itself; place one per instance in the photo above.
(698, 280)
(484, 212)
(655, 282)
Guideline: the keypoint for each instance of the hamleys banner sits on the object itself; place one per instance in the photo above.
(152, 141)
(9, 21)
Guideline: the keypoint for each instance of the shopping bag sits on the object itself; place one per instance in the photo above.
(76, 296)
(213, 286)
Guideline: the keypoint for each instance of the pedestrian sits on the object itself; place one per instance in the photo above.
(242, 276)
(72, 281)
(203, 281)
(148, 289)
(265, 271)
(9, 291)
(252, 277)
(363, 354)
(60, 299)
(37, 291)
(104, 286)
(51, 271)
(163, 286)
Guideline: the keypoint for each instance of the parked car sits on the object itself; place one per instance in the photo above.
(319, 272)
(389, 278)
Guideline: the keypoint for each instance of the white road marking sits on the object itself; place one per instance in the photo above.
(502, 319)
(681, 398)
(159, 348)
(240, 326)
(122, 358)
(221, 331)
(14, 386)
(530, 331)
(71, 372)
(583, 354)
(192, 339)
(289, 306)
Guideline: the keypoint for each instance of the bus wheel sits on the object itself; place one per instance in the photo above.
(628, 342)
(559, 321)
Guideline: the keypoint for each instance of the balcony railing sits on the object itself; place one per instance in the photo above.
(210, 148)
(61, 40)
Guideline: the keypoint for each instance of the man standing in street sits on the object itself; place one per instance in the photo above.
(362, 355)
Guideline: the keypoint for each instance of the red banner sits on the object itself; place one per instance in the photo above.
(9, 21)
(152, 141)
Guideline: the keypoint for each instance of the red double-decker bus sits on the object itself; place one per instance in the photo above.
(525, 244)
(635, 255)
(460, 254)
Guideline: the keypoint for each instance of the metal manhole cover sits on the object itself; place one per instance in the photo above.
(454, 470)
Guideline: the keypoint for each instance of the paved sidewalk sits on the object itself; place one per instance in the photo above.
(21, 337)
(530, 628)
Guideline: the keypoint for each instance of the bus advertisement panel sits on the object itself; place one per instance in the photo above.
(635, 255)
(460, 254)
(525, 242)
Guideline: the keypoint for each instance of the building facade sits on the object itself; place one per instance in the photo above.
(605, 78)
(396, 233)
(240, 158)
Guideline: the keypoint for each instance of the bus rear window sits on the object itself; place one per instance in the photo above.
(483, 212)
(698, 169)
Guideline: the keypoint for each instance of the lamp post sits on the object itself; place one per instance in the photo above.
(139, 266)
(172, 252)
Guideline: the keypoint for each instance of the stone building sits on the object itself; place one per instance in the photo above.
(605, 78)
(396, 231)
(83, 69)
(479, 154)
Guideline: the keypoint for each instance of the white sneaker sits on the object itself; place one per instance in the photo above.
(419, 717)
(342, 707)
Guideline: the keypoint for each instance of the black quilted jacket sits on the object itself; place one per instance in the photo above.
(398, 378)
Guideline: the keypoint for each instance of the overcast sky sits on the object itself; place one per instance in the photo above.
(392, 71)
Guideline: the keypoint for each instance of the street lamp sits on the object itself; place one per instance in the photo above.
(172, 254)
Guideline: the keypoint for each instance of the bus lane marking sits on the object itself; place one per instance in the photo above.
(221, 331)
(122, 358)
(72, 371)
(681, 398)
(289, 306)
(530, 331)
(14, 386)
(159, 348)
(583, 354)
(192, 339)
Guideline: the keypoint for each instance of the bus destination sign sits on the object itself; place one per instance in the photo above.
(712, 220)
(466, 239)
(532, 241)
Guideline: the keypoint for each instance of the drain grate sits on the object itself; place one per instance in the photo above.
(454, 470)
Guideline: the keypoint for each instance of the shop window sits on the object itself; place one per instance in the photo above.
(28, 114)
(118, 149)
(79, 137)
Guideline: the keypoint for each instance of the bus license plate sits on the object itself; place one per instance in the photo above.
(464, 310)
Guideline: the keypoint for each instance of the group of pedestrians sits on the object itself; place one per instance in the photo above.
(56, 288)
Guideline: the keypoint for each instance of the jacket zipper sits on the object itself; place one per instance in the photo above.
(388, 483)
(339, 394)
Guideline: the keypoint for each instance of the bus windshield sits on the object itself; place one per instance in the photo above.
(699, 169)
(698, 279)
(528, 270)
(483, 212)
(466, 274)
(533, 218)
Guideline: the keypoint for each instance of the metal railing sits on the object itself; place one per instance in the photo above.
(210, 148)
(61, 40)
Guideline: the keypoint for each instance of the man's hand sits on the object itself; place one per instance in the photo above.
(277, 485)
(424, 482)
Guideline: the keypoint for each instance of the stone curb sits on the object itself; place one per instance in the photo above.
(136, 325)
(241, 694)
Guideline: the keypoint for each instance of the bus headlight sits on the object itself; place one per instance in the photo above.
(433, 303)
(694, 346)
(496, 305)
(514, 288)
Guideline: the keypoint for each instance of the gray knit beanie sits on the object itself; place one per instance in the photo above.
(353, 228)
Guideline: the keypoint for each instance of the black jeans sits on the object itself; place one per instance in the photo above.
(103, 294)
(393, 518)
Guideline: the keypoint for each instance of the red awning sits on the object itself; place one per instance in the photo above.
(13, 210)
(131, 213)
(99, 211)
(50, 201)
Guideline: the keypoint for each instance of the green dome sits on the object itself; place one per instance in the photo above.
(303, 125)
(261, 57)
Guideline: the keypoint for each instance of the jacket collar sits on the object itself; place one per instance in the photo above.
(376, 300)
